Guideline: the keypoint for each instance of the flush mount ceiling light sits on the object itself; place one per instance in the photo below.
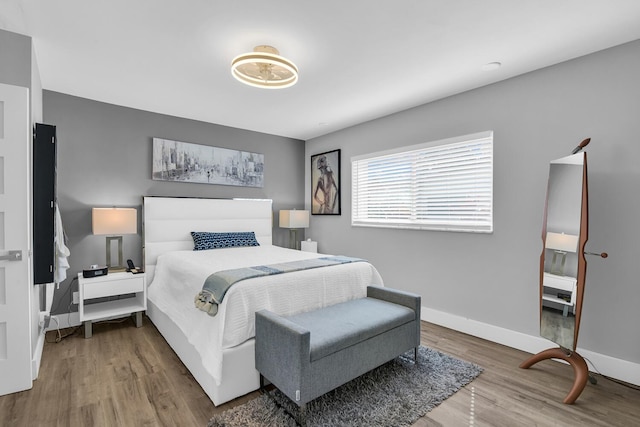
(264, 68)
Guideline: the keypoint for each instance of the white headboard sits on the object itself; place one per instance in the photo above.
(169, 221)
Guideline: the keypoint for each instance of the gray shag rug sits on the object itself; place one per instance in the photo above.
(397, 393)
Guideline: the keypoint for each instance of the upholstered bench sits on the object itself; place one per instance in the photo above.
(309, 354)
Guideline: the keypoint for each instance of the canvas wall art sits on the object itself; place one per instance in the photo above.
(187, 162)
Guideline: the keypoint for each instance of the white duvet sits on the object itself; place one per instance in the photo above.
(179, 276)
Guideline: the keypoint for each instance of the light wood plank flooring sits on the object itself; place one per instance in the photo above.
(127, 376)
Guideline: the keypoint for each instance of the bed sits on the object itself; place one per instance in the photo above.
(219, 350)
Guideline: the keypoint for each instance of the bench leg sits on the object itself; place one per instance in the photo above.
(415, 355)
(300, 420)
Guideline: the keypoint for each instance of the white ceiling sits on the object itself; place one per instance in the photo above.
(358, 59)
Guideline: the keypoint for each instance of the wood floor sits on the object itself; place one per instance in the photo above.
(127, 376)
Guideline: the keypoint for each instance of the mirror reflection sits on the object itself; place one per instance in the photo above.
(560, 256)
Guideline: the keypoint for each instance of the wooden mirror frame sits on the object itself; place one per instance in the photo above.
(582, 262)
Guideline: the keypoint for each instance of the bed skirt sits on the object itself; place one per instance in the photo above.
(236, 381)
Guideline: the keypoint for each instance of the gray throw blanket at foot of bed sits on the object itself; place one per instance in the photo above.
(216, 285)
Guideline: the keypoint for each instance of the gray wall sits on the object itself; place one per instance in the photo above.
(536, 118)
(104, 159)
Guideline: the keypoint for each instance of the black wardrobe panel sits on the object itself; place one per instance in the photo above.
(44, 198)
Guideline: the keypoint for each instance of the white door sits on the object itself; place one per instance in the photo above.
(15, 341)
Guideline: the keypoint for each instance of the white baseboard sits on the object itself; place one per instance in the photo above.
(62, 321)
(37, 356)
(620, 369)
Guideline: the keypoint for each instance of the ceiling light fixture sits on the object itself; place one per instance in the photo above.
(264, 68)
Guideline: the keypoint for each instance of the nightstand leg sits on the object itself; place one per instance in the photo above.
(139, 319)
(87, 329)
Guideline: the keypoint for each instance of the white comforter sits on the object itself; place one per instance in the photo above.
(179, 277)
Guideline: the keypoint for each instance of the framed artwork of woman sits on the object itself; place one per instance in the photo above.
(325, 183)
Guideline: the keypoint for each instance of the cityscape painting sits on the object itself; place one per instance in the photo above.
(186, 162)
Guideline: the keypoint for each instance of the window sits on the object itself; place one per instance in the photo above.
(441, 185)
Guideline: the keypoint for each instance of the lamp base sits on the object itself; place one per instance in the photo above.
(120, 266)
(557, 267)
(293, 238)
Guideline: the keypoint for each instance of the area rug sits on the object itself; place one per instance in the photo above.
(397, 393)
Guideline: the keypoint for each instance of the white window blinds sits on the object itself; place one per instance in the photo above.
(441, 185)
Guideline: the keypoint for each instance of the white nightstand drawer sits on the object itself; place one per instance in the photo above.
(559, 282)
(103, 288)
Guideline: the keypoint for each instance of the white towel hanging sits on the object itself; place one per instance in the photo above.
(62, 252)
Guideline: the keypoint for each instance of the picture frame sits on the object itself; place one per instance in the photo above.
(325, 183)
(195, 163)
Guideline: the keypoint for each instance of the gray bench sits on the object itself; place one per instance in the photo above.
(309, 354)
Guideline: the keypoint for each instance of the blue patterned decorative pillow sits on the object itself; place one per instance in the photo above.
(203, 240)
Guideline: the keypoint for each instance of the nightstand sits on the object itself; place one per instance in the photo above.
(560, 290)
(123, 294)
(308, 246)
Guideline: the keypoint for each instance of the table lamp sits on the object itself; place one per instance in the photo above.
(561, 244)
(294, 220)
(114, 222)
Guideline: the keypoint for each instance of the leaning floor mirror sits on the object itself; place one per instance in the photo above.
(563, 265)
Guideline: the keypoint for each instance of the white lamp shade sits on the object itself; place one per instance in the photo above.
(294, 219)
(114, 221)
(562, 242)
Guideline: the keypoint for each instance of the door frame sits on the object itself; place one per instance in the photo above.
(15, 210)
